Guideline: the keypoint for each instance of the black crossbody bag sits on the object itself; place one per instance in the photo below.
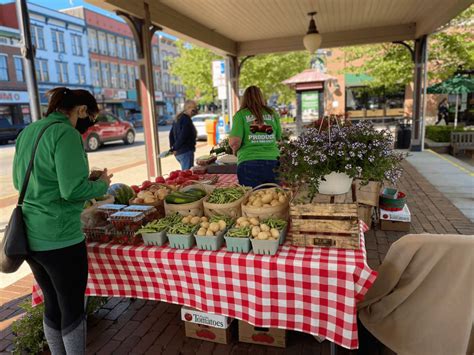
(14, 245)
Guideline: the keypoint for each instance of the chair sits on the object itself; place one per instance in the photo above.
(423, 299)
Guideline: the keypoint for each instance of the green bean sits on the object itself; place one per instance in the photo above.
(276, 223)
(242, 232)
(223, 195)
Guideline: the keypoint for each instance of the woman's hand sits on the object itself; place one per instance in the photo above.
(105, 177)
(234, 143)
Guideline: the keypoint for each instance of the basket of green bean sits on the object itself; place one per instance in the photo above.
(154, 232)
(237, 239)
(225, 201)
(181, 235)
(280, 224)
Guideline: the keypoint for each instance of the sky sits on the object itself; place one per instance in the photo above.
(63, 4)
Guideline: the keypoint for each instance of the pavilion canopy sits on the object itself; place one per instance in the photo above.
(247, 27)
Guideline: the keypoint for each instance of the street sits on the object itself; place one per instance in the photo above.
(127, 163)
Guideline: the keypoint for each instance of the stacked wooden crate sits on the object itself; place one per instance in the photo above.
(367, 197)
(328, 221)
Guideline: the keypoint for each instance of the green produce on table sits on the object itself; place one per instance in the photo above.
(182, 228)
(241, 232)
(276, 223)
(180, 197)
(216, 218)
(223, 195)
(160, 225)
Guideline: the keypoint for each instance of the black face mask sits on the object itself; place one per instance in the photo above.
(83, 124)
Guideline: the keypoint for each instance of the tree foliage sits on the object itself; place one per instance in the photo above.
(193, 68)
(391, 64)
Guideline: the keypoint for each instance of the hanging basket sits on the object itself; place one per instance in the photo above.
(335, 184)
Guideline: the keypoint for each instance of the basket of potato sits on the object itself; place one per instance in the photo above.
(265, 240)
(262, 202)
(181, 235)
(237, 237)
(210, 235)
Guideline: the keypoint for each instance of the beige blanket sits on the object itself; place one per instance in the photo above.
(423, 299)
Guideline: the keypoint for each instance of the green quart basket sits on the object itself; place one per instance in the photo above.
(156, 239)
(238, 245)
(179, 241)
(265, 247)
(210, 243)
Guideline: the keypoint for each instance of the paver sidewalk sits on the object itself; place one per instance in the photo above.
(125, 326)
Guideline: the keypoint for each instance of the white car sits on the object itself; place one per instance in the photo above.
(200, 124)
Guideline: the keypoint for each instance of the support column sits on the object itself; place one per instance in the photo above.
(419, 87)
(143, 32)
(28, 54)
(233, 74)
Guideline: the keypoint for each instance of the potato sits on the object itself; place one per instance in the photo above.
(245, 224)
(149, 200)
(262, 236)
(241, 219)
(214, 227)
(255, 231)
(266, 205)
(275, 233)
(195, 220)
(209, 233)
(222, 225)
(264, 227)
(202, 232)
(204, 219)
(282, 199)
(205, 225)
(186, 220)
(254, 221)
(274, 203)
(267, 198)
(252, 198)
(257, 203)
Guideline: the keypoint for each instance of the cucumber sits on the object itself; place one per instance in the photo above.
(196, 192)
(180, 198)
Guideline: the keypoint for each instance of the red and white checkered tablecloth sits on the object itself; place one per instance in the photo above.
(313, 290)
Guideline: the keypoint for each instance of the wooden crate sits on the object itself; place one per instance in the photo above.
(365, 213)
(333, 225)
(368, 194)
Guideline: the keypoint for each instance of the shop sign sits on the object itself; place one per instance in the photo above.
(158, 95)
(121, 94)
(218, 73)
(14, 97)
(310, 105)
(113, 94)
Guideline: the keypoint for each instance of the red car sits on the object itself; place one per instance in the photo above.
(263, 128)
(108, 128)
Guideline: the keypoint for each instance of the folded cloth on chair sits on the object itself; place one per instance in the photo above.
(422, 300)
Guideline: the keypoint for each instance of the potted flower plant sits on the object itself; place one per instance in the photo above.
(318, 158)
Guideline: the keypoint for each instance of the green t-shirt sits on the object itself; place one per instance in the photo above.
(258, 142)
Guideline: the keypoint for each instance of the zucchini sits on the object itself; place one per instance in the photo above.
(180, 198)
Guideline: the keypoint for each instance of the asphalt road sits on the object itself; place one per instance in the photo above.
(109, 156)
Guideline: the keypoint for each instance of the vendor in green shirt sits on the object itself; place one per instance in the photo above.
(255, 132)
(58, 187)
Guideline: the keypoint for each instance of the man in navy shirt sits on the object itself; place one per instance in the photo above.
(183, 135)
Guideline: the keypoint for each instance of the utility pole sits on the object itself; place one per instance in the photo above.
(28, 54)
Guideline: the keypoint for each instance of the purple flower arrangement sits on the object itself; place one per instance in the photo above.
(358, 150)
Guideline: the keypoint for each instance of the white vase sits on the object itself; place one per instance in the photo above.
(335, 184)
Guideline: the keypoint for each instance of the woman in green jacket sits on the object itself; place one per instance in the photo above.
(58, 187)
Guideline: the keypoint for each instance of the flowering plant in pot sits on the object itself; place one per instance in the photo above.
(359, 151)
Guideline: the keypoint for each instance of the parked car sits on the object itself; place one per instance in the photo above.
(108, 128)
(136, 119)
(9, 131)
(165, 120)
(200, 124)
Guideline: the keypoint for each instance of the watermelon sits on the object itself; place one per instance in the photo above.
(122, 193)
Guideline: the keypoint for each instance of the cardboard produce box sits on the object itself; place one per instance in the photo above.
(192, 315)
(263, 336)
(395, 220)
(205, 332)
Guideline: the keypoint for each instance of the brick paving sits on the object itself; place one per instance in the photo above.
(134, 326)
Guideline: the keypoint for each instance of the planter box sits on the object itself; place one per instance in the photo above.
(238, 245)
(179, 241)
(368, 194)
(262, 336)
(332, 225)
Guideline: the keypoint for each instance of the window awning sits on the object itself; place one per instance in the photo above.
(357, 79)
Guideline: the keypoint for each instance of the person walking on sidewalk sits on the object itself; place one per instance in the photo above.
(255, 132)
(443, 112)
(183, 136)
(58, 187)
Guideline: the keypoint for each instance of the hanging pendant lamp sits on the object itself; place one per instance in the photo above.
(312, 39)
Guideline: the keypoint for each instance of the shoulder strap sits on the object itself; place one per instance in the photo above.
(30, 166)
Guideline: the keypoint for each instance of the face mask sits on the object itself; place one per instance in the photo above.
(83, 124)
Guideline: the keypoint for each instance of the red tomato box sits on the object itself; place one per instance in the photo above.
(263, 336)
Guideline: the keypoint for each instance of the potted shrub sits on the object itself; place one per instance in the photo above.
(318, 158)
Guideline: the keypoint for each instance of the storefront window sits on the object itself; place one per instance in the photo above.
(365, 101)
(6, 116)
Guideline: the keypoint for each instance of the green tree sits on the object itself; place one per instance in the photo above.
(269, 70)
(390, 64)
(193, 68)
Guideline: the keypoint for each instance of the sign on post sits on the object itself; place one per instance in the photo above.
(310, 105)
(218, 73)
